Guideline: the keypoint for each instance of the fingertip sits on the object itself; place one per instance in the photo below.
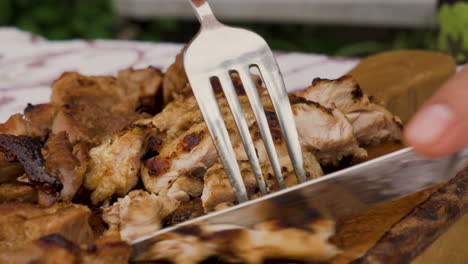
(435, 131)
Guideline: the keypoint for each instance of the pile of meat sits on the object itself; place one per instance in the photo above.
(102, 165)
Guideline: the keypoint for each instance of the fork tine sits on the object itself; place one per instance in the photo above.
(257, 107)
(214, 120)
(239, 117)
(269, 70)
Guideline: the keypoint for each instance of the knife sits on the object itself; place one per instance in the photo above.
(348, 191)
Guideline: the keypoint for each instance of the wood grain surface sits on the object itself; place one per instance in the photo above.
(407, 239)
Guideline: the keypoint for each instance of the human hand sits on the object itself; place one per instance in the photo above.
(441, 126)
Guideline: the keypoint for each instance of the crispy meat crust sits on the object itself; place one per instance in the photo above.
(66, 163)
(28, 152)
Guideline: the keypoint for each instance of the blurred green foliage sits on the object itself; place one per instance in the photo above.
(97, 19)
(453, 37)
(61, 19)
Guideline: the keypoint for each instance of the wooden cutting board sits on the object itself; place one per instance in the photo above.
(403, 81)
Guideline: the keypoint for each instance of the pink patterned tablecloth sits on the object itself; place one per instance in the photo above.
(29, 64)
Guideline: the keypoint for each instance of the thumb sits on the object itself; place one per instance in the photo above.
(441, 126)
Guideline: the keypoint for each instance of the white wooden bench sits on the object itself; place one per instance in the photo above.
(401, 13)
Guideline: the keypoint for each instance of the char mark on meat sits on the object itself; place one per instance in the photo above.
(28, 152)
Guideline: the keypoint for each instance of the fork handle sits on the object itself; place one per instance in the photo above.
(204, 13)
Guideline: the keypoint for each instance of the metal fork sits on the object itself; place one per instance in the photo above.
(216, 52)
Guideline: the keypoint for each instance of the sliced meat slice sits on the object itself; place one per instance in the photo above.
(188, 152)
(372, 123)
(194, 244)
(21, 223)
(66, 163)
(27, 151)
(114, 165)
(17, 193)
(325, 131)
(138, 214)
(217, 188)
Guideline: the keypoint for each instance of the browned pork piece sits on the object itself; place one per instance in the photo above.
(92, 108)
(218, 193)
(193, 149)
(217, 188)
(114, 165)
(21, 223)
(143, 85)
(57, 169)
(184, 188)
(17, 193)
(324, 131)
(138, 214)
(175, 80)
(372, 123)
(269, 240)
(66, 163)
(55, 248)
(36, 121)
(177, 117)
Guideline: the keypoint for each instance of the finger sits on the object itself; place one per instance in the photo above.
(441, 126)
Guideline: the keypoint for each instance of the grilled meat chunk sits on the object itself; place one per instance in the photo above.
(21, 223)
(218, 193)
(114, 165)
(28, 152)
(138, 214)
(185, 188)
(372, 123)
(177, 117)
(17, 193)
(193, 244)
(36, 121)
(325, 131)
(193, 149)
(66, 163)
(91, 108)
(217, 188)
(175, 80)
(143, 85)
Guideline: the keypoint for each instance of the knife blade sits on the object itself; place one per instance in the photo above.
(338, 194)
